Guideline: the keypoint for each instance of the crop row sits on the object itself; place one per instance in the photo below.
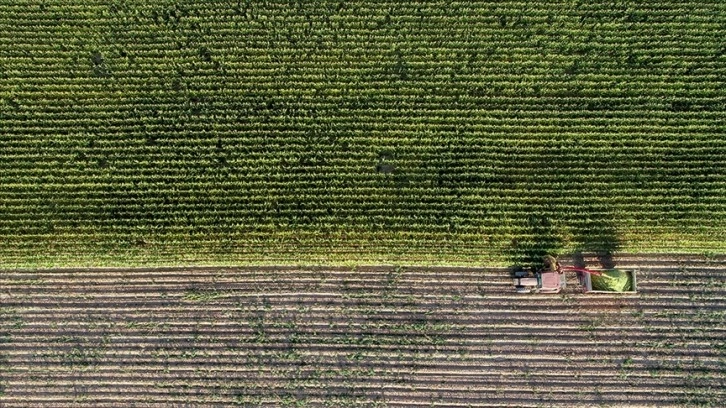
(393, 336)
(517, 121)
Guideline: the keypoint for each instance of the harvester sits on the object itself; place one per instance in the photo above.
(551, 279)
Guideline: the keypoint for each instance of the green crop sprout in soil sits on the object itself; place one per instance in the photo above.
(428, 132)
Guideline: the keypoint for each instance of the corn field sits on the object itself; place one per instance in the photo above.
(427, 132)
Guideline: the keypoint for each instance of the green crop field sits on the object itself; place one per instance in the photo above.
(428, 132)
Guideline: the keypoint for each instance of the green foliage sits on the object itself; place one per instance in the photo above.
(396, 132)
(613, 281)
(196, 295)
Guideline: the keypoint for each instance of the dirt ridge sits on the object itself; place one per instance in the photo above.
(383, 336)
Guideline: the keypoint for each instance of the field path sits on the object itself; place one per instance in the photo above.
(369, 337)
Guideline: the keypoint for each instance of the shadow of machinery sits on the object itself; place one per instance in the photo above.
(599, 238)
(540, 236)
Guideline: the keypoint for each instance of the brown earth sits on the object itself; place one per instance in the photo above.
(368, 337)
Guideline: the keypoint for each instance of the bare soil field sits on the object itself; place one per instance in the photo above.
(366, 337)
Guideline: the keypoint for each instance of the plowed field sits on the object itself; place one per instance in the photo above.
(373, 336)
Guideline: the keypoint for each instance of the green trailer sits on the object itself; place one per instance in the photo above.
(609, 281)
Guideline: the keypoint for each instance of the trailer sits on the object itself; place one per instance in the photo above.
(588, 280)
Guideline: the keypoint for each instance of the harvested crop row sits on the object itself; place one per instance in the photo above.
(376, 336)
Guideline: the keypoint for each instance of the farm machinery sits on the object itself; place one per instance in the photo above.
(551, 279)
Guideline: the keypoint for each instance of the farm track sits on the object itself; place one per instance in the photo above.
(367, 336)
